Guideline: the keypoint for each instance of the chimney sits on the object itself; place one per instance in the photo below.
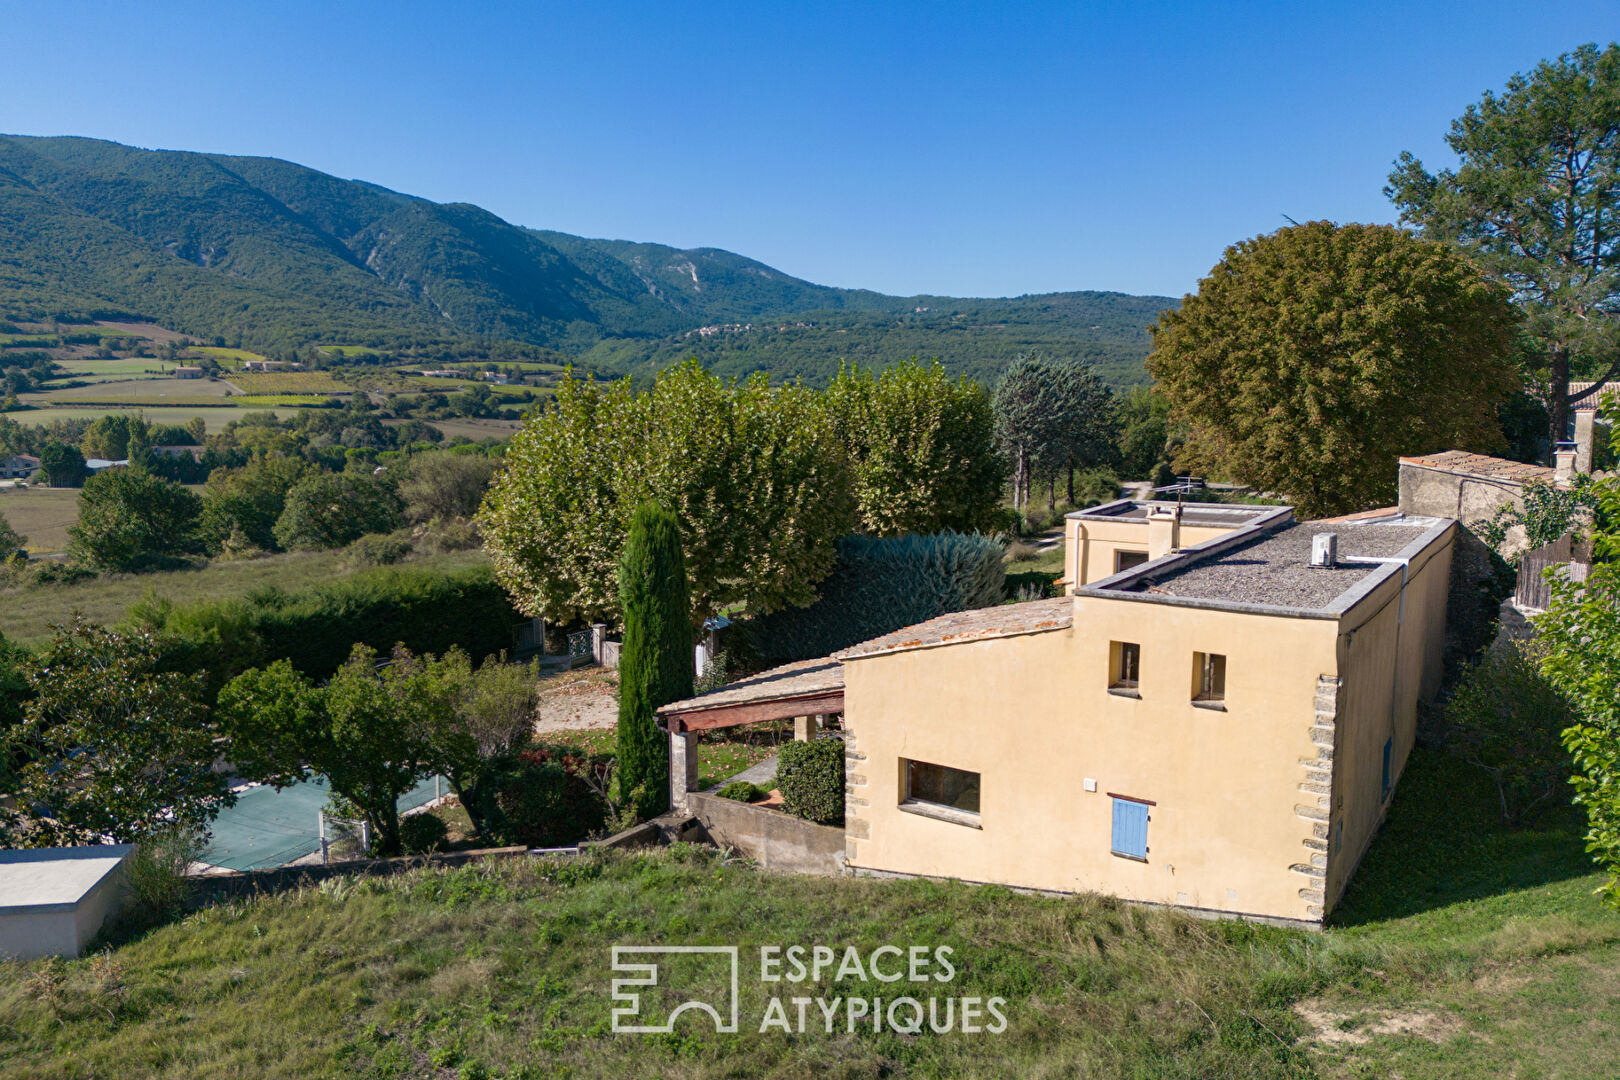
(1164, 529)
(1585, 437)
(1564, 463)
(1325, 551)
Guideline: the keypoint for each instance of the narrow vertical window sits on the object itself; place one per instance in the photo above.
(1209, 679)
(1125, 660)
(1389, 748)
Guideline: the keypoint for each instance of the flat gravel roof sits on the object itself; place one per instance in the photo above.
(1275, 567)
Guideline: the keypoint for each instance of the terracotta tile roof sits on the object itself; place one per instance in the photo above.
(1004, 620)
(1461, 461)
(823, 675)
(1593, 403)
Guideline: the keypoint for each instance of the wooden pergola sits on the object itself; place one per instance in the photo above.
(804, 691)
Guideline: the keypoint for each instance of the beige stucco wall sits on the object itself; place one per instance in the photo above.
(1383, 664)
(1242, 796)
(1033, 716)
(1089, 554)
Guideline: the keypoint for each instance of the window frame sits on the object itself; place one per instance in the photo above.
(912, 804)
(1202, 696)
(1137, 559)
(1121, 653)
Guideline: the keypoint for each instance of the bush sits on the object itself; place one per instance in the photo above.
(328, 510)
(879, 585)
(426, 610)
(48, 572)
(742, 791)
(378, 549)
(1031, 585)
(810, 776)
(1508, 719)
(157, 870)
(422, 833)
(549, 801)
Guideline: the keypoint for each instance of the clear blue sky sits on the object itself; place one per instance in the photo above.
(977, 150)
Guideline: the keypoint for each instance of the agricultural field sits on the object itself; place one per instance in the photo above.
(42, 514)
(27, 613)
(80, 366)
(231, 358)
(153, 391)
(285, 400)
(289, 382)
(348, 352)
(215, 417)
(475, 429)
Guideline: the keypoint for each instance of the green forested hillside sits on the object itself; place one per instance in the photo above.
(271, 255)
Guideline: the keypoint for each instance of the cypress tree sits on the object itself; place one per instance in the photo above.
(655, 666)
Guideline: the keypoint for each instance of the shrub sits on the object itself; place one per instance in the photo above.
(422, 833)
(742, 791)
(810, 776)
(879, 585)
(378, 549)
(426, 610)
(328, 510)
(130, 519)
(1031, 585)
(549, 800)
(157, 870)
(1507, 718)
(48, 572)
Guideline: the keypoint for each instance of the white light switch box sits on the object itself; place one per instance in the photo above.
(1091, 785)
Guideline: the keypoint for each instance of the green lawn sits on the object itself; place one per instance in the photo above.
(42, 514)
(26, 614)
(1462, 952)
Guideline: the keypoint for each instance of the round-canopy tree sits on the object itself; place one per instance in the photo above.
(1311, 358)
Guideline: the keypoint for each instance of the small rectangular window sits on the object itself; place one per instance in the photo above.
(1125, 666)
(1124, 560)
(1389, 747)
(941, 785)
(1130, 829)
(1209, 678)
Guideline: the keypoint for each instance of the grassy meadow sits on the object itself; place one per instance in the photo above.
(42, 514)
(216, 416)
(1463, 951)
(27, 613)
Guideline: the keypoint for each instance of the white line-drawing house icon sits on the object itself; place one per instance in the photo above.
(647, 975)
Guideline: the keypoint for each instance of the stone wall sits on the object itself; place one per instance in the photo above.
(775, 840)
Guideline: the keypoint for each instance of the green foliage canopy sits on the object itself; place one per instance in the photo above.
(1312, 357)
(329, 510)
(129, 519)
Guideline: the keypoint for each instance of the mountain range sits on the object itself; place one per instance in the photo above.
(272, 255)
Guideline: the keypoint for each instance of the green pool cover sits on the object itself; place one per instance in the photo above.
(268, 828)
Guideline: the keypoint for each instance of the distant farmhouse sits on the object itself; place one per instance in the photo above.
(188, 372)
(18, 467)
(1213, 718)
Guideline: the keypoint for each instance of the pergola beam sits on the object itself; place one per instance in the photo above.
(753, 712)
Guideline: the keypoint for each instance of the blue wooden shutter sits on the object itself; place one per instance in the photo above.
(1130, 828)
(1389, 745)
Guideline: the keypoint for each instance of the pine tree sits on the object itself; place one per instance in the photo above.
(655, 666)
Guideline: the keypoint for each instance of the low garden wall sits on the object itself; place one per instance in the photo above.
(775, 840)
(246, 883)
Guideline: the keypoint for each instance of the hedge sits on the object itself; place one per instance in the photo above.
(428, 611)
(879, 585)
(810, 776)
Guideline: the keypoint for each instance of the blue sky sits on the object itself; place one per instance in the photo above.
(978, 150)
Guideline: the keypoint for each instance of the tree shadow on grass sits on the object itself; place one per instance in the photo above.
(1443, 842)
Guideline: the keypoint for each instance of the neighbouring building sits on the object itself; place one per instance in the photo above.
(188, 373)
(174, 451)
(18, 467)
(1218, 726)
(54, 901)
(97, 464)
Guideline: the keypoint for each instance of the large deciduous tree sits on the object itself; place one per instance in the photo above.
(328, 510)
(129, 519)
(921, 448)
(655, 666)
(1535, 199)
(1311, 358)
(112, 745)
(760, 493)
